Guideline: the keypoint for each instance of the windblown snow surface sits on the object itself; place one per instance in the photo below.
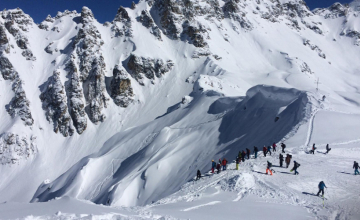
(148, 102)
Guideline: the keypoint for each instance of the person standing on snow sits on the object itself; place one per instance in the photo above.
(356, 167)
(248, 153)
(243, 154)
(269, 150)
(224, 162)
(281, 158)
(213, 166)
(274, 147)
(237, 163)
(264, 151)
(218, 167)
(321, 188)
(313, 149)
(268, 168)
(288, 160)
(255, 151)
(283, 146)
(198, 175)
(296, 165)
(327, 149)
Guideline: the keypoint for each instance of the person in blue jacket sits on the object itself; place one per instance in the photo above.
(322, 186)
(213, 166)
(269, 150)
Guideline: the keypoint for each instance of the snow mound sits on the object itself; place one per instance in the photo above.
(146, 163)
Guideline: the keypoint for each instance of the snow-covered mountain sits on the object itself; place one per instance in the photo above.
(124, 113)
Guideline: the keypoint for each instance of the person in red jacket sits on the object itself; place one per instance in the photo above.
(274, 147)
(224, 162)
(264, 151)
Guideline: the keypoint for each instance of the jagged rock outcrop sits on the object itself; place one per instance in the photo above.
(14, 148)
(148, 67)
(4, 41)
(196, 33)
(17, 22)
(353, 34)
(146, 20)
(45, 25)
(121, 90)
(334, 11)
(170, 17)
(76, 98)
(121, 24)
(96, 93)
(54, 103)
(19, 105)
(232, 11)
(315, 48)
(87, 44)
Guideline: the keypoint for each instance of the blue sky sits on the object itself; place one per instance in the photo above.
(104, 10)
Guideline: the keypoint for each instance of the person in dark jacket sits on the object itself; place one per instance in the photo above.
(321, 188)
(198, 175)
(312, 151)
(274, 147)
(237, 163)
(269, 150)
(281, 158)
(328, 149)
(213, 166)
(218, 167)
(356, 167)
(255, 151)
(248, 153)
(264, 151)
(268, 168)
(224, 162)
(288, 160)
(283, 146)
(296, 165)
(243, 154)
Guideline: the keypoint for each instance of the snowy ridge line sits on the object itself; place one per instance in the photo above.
(219, 116)
(311, 127)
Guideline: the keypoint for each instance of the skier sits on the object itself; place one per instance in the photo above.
(218, 167)
(268, 168)
(264, 150)
(255, 151)
(356, 167)
(274, 147)
(313, 149)
(281, 158)
(198, 175)
(327, 149)
(296, 165)
(288, 160)
(237, 163)
(243, 154)
(248, 153)
(224, 162)
(283, 146)
(321, 188)
(269, 150)
(213, 166)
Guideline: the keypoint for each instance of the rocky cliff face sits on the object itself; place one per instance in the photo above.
(83, 93)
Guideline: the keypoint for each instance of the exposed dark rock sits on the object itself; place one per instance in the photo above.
(121, 90)
(148, 67)
(54, 103)
(76, 99)
(121, 24)
(195, 33)
(146, 20)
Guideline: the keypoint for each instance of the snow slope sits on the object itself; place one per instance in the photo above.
(124, 113)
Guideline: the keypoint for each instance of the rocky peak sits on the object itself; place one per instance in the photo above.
(122, 15)
(121, 90)
(334, 11)
(19, 17)
(86, 15)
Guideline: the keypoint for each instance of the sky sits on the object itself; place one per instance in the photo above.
(104, 10)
